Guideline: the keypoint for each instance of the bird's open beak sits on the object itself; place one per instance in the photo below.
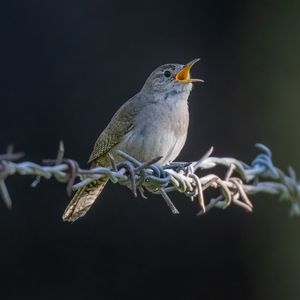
(183, 75)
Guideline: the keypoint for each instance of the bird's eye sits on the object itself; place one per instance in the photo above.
(167, 74)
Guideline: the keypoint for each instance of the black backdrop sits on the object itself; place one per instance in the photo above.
(66, 66)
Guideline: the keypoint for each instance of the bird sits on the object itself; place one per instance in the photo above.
(153, 123)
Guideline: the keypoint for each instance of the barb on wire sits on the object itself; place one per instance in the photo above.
(240, 180)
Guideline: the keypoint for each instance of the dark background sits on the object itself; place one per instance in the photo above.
(66, 66)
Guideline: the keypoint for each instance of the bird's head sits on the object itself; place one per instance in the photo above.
(171, 77)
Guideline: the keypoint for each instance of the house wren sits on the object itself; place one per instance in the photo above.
(153, 123)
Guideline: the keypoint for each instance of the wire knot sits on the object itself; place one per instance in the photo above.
(263, 164)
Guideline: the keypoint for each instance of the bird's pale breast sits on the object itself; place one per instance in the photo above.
(160, 129)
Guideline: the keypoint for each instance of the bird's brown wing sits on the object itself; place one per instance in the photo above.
(120, 124)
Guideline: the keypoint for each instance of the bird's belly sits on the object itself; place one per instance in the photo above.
(150, 142)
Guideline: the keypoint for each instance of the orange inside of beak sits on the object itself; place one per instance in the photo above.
(184, 74)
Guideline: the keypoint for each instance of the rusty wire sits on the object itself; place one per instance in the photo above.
(238, 183)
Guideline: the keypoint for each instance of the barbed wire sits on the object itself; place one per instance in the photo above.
(239, 182)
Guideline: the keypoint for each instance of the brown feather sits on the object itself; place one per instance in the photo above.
(83, 200)
(120, 124)
(87, 195)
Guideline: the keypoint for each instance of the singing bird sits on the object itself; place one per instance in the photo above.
(151, 124)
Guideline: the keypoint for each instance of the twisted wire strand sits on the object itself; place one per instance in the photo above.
(239, 182)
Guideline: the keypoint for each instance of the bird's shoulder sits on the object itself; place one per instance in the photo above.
(121, 123)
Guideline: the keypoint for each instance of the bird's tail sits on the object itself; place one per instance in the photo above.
(83, 200)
